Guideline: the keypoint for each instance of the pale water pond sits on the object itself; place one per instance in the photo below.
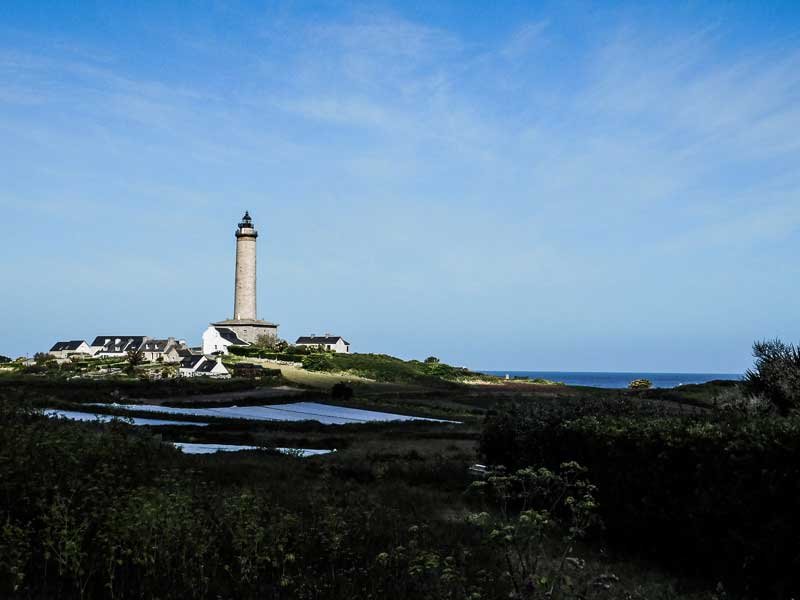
(82, 416)
(188, 448)
(185, 447)
(297, 411)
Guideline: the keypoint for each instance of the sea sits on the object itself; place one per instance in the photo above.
(618, 380)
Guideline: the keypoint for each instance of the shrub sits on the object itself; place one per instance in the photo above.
(776, 374)
(530, 504)
(318, 362)
(271, 343)
(716, 498)
(256, 352)
(341, 391)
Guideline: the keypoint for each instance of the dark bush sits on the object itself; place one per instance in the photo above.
(341, 391)
(776, 374)
(100, 511)
(256, 352)
(720, 499)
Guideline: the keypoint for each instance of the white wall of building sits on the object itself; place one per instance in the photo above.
(214, 342)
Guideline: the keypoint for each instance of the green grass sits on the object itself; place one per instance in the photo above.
(385, 368)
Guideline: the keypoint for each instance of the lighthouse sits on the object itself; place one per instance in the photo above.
(244, 300)
(245, 327)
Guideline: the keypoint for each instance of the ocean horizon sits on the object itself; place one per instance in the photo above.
(610, 379)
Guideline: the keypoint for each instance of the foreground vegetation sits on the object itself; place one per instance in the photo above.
(106, 511)
(583, 486)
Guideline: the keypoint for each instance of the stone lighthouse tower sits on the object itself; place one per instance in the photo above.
(244, 303)
(245, 327)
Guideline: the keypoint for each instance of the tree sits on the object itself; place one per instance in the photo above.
(272, 343)
(135, 358)
(775, 376)
(4, 359)
(42, 358)
(431, 360)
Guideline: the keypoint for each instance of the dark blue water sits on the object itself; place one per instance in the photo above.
(618, 380)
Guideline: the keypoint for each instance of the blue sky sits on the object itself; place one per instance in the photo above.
(550, 186)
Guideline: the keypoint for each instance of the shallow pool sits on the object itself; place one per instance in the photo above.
(188, 448)
(297, 411)
(74, 415)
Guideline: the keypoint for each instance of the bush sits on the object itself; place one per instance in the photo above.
(271, 343)
(256, 352)
(720, 499)
(776, 374)
(341, 391)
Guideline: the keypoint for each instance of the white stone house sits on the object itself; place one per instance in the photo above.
(202, 366)
(328, 342)
(217, 340)
(66, 349)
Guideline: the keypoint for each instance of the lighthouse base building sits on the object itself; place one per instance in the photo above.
(244, 328)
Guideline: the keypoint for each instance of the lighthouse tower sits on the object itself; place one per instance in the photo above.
(245, 327)
(244, 303)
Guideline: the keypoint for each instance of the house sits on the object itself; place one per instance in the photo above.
(65, 349)
(201, 366)
(328, 342)
(212, 368)
(165, 350)
(116, 346)
(217, 340)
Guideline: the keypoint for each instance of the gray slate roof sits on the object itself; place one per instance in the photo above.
(189, 362)
(70, 345)
(320, 339)
(155, 345)
(230, 336)
(126, 342)
(206, 367)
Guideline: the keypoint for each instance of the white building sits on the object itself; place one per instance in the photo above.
(216, 340)
(328, 342)
(65, 349)
(201, 366)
